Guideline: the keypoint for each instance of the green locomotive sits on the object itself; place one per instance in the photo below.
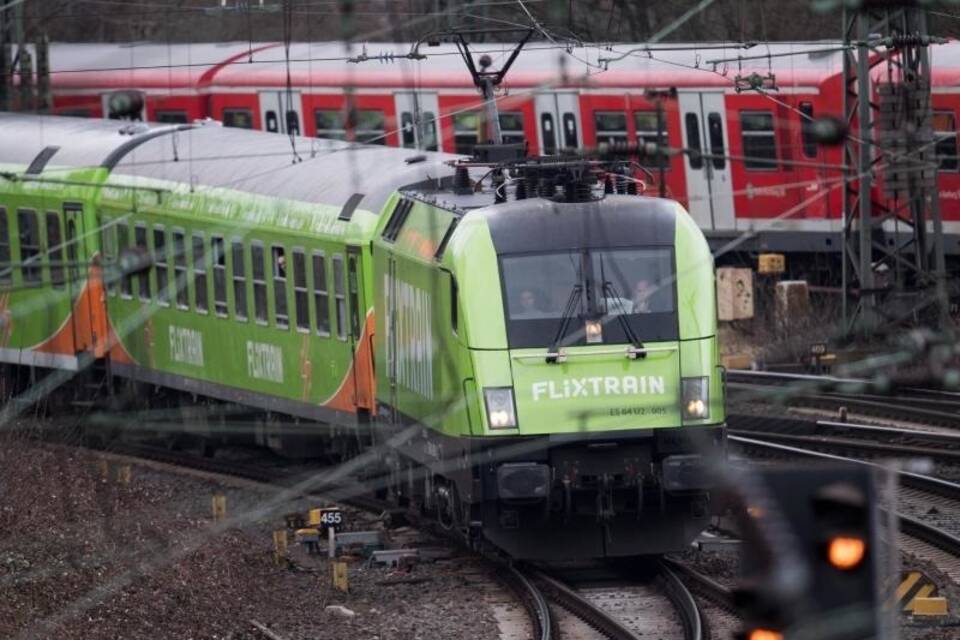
(535, 360)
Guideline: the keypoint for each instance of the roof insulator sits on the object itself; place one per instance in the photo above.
(608, 184)
(632, 187)
(499, 183)
(461, 181)
(521, 191)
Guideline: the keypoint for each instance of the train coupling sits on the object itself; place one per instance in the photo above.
(682, 473)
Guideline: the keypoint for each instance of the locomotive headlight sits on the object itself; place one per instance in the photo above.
(594, 331)
(500, 410)
(696, 398)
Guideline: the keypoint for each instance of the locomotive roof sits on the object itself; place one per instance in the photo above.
(212, 156)
(322, 64)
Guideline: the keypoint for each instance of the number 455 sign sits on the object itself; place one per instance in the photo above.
(327, 518)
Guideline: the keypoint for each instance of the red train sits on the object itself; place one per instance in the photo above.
(775, 180)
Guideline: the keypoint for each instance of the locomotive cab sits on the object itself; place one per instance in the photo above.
(568, 382)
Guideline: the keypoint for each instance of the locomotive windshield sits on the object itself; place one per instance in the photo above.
(636, 284)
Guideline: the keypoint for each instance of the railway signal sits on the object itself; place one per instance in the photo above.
(831, 514)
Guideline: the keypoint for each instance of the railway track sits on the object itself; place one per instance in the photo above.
(863, 440)
(657, 603)
(860, 396)
(928, 508)
(532, 588)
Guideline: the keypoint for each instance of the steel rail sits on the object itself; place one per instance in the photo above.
(608, 625)
(908, 524)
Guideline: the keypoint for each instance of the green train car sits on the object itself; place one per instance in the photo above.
(532, 360)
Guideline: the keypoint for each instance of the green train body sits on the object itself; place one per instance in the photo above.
(372, 301)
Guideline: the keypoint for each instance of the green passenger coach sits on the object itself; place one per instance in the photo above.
(532, 356)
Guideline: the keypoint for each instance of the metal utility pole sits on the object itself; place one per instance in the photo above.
(5, 71)
(893, 266)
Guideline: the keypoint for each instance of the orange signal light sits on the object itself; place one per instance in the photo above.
(845, 552)
(764, 634)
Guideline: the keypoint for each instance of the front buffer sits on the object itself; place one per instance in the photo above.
(636, 492)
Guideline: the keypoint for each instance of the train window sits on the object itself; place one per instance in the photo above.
(340, 298)
(180, 269)
(29, 230)
(648, 132)
(143, 275)
(240, 118)
(301, 300)
(5, 269)
(330, 124)
(428, 131)
(806, 130)
(759, 140)
(199, 273)
(55, 249)
(408, 136)
(273, 126)
(715, 132)
(259, 283)
(353, 287)
(549, 133)
(219, 262)
(945, 134)
(72, 211)
(108, 240)
(172, 117)
(321, 299)
(570, 130)
(466, 131)
(280, 287)
(511, 128)
(397, 218)
(123, 244)
(611, 127)
(293, 123)
(370, 127)
(692, 124)
(161, 261)
(239, 281)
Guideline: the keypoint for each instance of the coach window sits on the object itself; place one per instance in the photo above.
(549, 133)
(330, 124)
(6, 275)
(108, 241)
(29, 229)
(511, 128)
(428, 131)
(280, 287)
(180, 269)
(408, 139)
(466, 132)
(239, 281)
(692, 124)
(759, 140)
(340, 299)
(611, 127)
(172, 117)
(715, 133)
(648, 132)
(370, 127)
(454, 305)
(143, 275)
(239, 118)
(806, 130)
(161, 261)
(259, 283)
(123, 245)
(569, 130)
(55, 249)
(945, 134)
(301, 300)
(200, 273)
(321, 299)
(219, 261)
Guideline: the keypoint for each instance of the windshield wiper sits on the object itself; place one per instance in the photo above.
(553, 353)
(610, 291)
